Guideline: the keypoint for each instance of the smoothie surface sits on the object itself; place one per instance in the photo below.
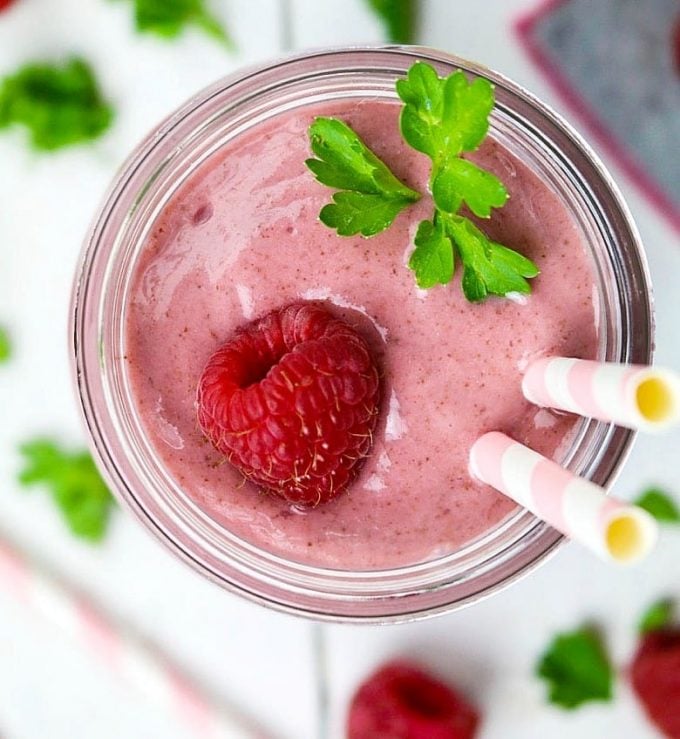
(242, 237)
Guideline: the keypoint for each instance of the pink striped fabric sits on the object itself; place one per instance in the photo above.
(129, 658)
(13, 574)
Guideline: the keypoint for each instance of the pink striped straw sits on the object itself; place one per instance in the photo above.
(579, 509)
(644, 398)
(131, 659)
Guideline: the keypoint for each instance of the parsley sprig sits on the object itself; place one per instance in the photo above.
(370, 196)
(443, 118)
(74, 482)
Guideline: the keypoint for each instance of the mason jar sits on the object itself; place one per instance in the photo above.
(155, 171)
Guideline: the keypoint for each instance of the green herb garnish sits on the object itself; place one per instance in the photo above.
(76, 486)
(370, 196)
(443, 118)
(432, 259)
(658, 616)
(60, 105)
(168, 18)
(576, 669)
(5, 346)
(659, 505)
(489, 268)
(398, 17)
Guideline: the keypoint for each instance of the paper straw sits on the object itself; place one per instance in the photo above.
(645, 398)
(132, 659)
(579, 509)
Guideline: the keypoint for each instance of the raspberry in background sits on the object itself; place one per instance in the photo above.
(655, 675)
(4, 4)
(402, 701)
(291, 400)
(675, 41)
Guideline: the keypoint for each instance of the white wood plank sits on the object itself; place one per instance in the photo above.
(334, 23)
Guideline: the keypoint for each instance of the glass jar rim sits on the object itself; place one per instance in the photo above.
(402, 593)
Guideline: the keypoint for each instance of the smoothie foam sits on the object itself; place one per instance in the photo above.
(242, 237)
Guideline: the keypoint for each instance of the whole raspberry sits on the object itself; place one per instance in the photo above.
(655, 675)
(400, 701)
(292, 401)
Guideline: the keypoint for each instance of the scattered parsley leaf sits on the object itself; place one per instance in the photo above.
(659, 505)
(168, 18)
(371, 196)
(577, 669)
(5, 345)
(76, 486)
(60, 105)
(399, 18)
(658, 616)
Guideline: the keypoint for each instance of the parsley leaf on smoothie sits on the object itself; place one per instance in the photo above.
(370, 196)
(443, 118)
(459, 182)
(398, 17)
(577, 669)
(660, 505)
(5, 345)
(76, 486)
(657, 617)
(168, 18)
(432, 259)
(60, 105)
(488, 268)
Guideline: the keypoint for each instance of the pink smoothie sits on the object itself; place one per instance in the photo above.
(242, 237)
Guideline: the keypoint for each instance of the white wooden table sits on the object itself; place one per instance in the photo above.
(263, 661)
